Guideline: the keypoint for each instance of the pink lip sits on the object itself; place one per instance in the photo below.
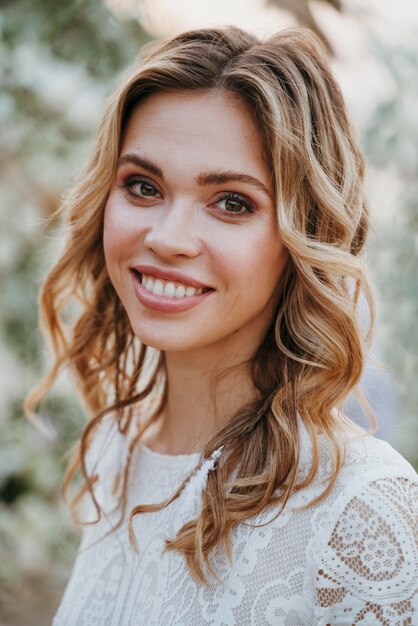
(168, 274)
(163, 303)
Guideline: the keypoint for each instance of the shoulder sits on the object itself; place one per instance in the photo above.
(366, 530)
(373, 475)
(365, 452)
(365, 459)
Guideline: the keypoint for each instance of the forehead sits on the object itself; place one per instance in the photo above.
(203, 129)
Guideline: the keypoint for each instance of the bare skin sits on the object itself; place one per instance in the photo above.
(176, 205)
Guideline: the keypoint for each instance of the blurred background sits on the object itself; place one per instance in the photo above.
(58, 63)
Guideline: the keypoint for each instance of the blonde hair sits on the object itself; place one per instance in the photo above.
(312, 356)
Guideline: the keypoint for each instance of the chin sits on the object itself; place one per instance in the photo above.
(166, 341)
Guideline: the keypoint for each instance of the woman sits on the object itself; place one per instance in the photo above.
(213, 245)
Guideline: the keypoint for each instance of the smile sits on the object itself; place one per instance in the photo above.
(168, 289)
(166, 296)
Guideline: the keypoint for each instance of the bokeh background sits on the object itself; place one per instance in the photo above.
(58, 63)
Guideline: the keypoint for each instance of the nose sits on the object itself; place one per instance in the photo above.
(173, 232)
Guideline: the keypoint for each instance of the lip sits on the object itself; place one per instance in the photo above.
(168, 274)
(163, 303)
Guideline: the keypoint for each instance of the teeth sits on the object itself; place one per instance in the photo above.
(158, 288)
(180, 291)
(168, 289)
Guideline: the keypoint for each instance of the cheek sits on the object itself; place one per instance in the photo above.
(117, 241)
(251, 269)
(255, 265)
(111, 243)
(114, 226)
(119, 236)
(274, 259)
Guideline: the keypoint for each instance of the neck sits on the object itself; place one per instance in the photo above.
(204, 391)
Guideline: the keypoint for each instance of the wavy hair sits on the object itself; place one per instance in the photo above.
(313, 354)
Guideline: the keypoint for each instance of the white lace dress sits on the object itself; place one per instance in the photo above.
(351, 559)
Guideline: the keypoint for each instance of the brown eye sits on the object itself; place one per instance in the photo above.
(140, 187)
(234, 206)
(144, 189)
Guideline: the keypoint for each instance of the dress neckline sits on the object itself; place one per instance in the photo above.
(168, 457)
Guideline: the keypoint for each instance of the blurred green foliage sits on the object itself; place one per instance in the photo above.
(58, 62)
(391, 145)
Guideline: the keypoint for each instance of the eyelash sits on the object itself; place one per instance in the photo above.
(230, 195)
(136, 180)
(128, 184)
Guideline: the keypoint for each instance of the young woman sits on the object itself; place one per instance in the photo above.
(213, 248)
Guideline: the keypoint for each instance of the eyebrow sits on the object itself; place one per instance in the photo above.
(146, 164)
(217, 177)
(226, 176)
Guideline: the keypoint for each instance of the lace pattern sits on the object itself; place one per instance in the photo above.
(351, 559)
(368, 573)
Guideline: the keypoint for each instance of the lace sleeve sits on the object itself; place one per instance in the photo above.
(369, 571)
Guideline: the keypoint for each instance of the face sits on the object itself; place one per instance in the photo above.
(190, 235)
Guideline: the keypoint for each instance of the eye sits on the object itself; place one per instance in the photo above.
(235, 204)
(140, 187)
